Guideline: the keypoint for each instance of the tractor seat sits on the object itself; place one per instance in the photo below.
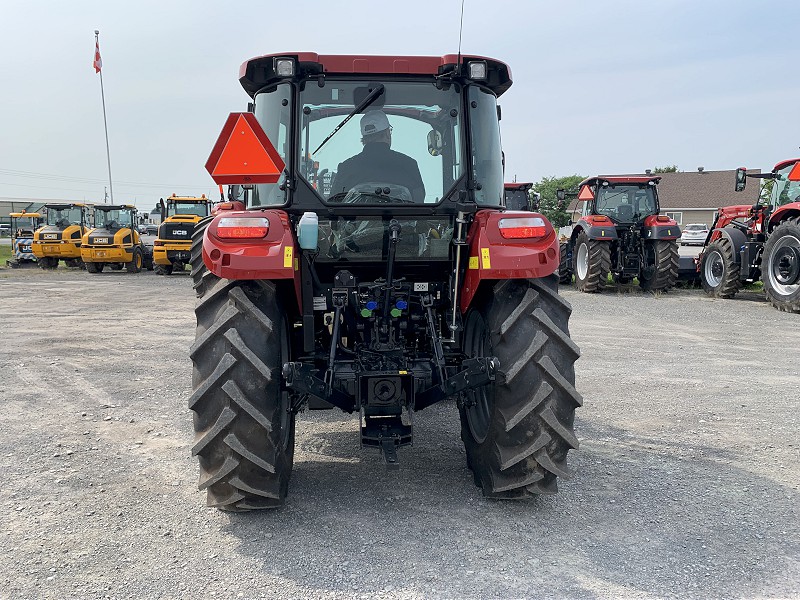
(625, 213)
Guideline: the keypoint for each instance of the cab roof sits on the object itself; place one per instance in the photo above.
(785, 163)
(517, 186)
(620, 180)
(114, 207)
(189, 198)
(258, 72)
(65, 204)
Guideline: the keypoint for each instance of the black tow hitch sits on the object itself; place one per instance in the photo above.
(476, 372)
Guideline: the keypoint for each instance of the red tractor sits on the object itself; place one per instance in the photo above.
(621, 232)
(368, 292)
(748, 243)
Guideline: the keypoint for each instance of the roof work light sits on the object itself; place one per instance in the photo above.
(284, 67)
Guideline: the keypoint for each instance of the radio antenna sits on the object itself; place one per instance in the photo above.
(460, 31)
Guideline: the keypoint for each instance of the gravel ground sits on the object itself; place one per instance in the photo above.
(685, 486)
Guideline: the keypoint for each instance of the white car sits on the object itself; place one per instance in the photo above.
(694, 233)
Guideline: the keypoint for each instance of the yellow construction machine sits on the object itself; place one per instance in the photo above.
(23, 225)
(60, 238)
(179, 215)
(114, 241)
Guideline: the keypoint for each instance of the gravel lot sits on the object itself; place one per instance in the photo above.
(686, 481)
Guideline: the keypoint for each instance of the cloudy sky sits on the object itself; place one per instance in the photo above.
(599, 85)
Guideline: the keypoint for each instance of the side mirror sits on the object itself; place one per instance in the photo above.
(163, 208)
(561, 195)
(741, 179)
(536, 200)
(435, 143)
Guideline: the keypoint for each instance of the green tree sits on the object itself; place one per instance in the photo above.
(667, 169)
(549, 205)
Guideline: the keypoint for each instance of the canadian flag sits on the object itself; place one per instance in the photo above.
(98, 62)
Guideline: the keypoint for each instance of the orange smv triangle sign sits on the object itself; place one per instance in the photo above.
(586, 193)
(244, 154)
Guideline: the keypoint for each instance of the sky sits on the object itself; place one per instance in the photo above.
(600, 86)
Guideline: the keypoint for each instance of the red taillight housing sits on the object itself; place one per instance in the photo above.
(158, 243)
(242, 227)
(599, 219)
(517, 228)
(663, 218)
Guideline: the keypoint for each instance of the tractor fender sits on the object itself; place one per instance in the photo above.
(735, 237)
(661, 232)
(603, 233)
(271, 257)
(493, 256)
(787, 211)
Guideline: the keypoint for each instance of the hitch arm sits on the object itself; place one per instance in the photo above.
(476, 372)
(303, 379)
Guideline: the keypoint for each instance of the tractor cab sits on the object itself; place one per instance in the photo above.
(518, 196)
(23, 227)
(624, 200)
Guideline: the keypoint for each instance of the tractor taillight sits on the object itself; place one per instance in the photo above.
(521, 228)
(663, 218)
(242, 227)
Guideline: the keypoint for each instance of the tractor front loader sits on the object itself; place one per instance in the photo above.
(621, 232)
(380, 289)
(179, 215)
(60, 238)
(759, 242)
(114, 241)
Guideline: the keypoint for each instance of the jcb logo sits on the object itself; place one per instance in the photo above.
(100, 240)
(50, 236)
(180, 232)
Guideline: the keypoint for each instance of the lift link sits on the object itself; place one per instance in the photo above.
(339, 301)
(476, 372)
(301, 378)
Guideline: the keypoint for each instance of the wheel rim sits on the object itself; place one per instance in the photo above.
(479, 414)
(138, 261)
(582, 261)
(784, 266)
(714, 268)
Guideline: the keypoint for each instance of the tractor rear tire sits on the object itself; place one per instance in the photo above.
(517, 431)
(163, 269)
(659, 270)
(565, 265)
(93, 267)
(74, 263)
(244, 430)
(719, 272)
(136, 261)
(48, 262)
(591, 262)
(202, 278)
(780, 267)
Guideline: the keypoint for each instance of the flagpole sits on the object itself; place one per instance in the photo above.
(105, 122)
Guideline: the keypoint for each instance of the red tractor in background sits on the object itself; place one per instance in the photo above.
(748, 243)
(376, 296)
(621, 232)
